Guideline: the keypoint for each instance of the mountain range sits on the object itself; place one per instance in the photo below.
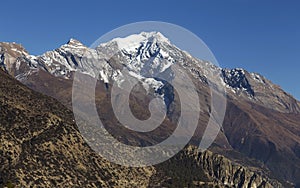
(258, 145)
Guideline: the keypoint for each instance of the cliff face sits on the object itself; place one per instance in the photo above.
(207, 169)
(230, 174)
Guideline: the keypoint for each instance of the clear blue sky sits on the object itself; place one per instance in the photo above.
(258, 35)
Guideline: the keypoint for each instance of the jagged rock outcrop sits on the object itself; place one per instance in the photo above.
(230, 174)
(207, 169)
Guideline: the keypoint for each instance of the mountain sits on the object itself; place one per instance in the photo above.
(42, 147)
(133, 51)
(261, 124)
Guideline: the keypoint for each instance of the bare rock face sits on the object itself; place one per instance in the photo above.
(207, 169)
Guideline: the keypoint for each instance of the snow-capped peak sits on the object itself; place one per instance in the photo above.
(155, 35)
(75, 43)
(131, 42)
